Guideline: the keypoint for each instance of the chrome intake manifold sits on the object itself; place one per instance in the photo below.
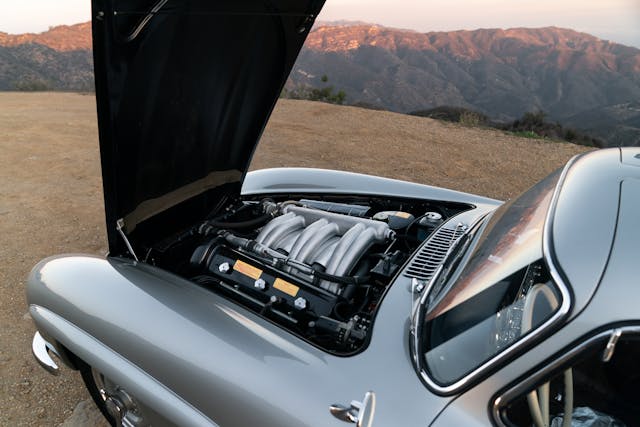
(332, 241)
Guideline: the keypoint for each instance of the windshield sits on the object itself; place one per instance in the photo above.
(503, 291)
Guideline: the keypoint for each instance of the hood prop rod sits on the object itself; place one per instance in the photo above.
(119, 227)
(143, 23)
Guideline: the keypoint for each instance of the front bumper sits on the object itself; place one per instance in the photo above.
(42, 352)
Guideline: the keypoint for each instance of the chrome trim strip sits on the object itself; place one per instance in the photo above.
(563, 310)
(40, 349)
(555, 365)
(607, 354)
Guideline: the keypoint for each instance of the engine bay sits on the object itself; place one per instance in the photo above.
(317, 267)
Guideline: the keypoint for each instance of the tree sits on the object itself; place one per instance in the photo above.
(32, 85)
(322, 94)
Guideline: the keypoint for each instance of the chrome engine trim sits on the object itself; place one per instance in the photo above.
(332, 240)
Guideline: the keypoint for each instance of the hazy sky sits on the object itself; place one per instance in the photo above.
(615, 20)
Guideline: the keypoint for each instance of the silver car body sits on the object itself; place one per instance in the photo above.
(195, 358)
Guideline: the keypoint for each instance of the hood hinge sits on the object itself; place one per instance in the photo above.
(119, 227)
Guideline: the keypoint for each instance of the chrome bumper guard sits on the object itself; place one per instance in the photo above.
(41, 351)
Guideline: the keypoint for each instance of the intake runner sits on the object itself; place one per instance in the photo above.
(328, 242)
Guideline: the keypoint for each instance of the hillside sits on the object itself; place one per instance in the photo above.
(57, 59)
(502, 73)
(481, 161)
(573, 77)
(62, 38)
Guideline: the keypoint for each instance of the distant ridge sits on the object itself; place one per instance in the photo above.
(501, 73)
(574, 77)
(58, 59)
(63, 38)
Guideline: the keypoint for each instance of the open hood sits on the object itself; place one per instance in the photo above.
(184, 89)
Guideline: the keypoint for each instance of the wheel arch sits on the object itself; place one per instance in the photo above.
(79, 348)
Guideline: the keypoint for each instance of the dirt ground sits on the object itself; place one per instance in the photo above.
(51, 200)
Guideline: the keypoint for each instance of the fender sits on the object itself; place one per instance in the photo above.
(147, 389)
(171, 341)
(149, 330)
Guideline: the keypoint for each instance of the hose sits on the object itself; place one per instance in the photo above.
(262, 250)
(345, 280)
(268, 207)
(209, 226)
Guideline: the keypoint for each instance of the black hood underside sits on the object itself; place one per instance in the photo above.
(184, 89)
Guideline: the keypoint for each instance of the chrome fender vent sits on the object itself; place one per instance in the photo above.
(433, 252)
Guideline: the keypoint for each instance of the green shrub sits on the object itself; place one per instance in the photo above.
(460, 115)
(527, 134)
(471, 118)
(570, 135)
(532, 124)
(323, 94)
(32, 85)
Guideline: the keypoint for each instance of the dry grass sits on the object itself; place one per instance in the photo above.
(51, 197)
(487, 162)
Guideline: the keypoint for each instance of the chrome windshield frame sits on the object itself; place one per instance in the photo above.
(500, 358)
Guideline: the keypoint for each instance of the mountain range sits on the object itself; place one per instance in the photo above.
(58, 59)
(575, 78)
